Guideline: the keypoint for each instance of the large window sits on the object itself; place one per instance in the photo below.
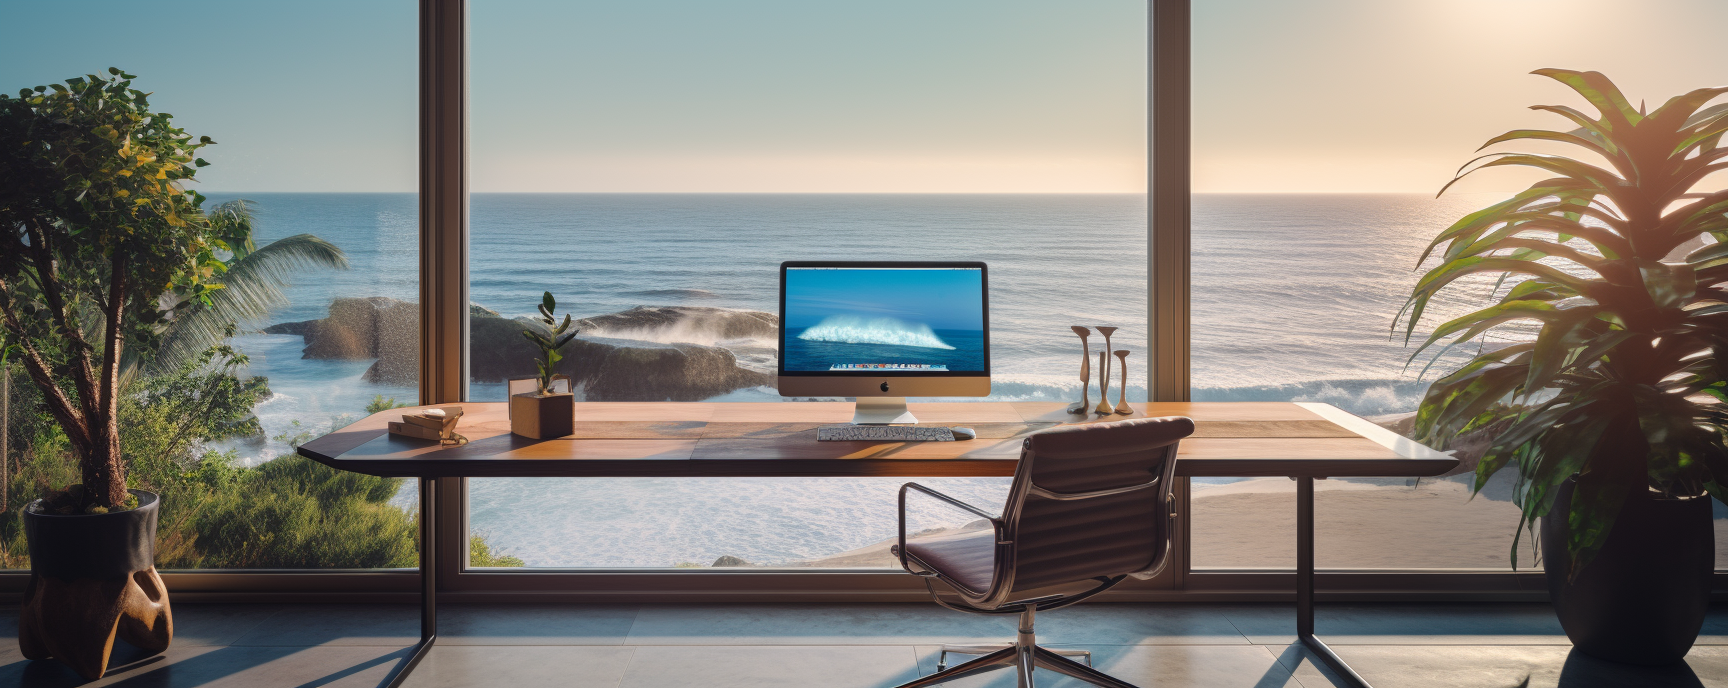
(1320, 136)
(685, 151)
(313, 109)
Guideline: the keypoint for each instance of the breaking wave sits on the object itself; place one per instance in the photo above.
(851, 329)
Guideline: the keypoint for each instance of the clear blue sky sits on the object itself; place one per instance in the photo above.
(895, 95)
(746, 95)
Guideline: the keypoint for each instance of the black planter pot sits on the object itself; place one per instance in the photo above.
(93, 580)
(1643, 598)
(93, 545)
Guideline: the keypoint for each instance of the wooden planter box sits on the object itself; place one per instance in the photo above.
(542, 417)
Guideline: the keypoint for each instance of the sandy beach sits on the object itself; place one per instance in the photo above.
(1359, 525)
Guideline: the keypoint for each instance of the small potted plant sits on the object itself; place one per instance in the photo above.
(545, 414)
(103, 248)
(1613, 415)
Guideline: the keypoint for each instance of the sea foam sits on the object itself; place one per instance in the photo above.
(851, 329)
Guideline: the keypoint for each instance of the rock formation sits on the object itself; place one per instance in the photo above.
(647, 353)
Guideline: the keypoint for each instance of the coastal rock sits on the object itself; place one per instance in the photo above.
(683, 324)
(647, 353)
(608, 369)
(729, 561)
(356, 328)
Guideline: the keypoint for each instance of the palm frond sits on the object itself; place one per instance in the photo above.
(251, 288)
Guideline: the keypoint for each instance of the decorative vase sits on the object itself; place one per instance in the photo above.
(1104, 406)
(1122, 406)
(1085, 404)
(1642, 600)
(542, 417)
(92, 579)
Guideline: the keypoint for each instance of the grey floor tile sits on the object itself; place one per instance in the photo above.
(1501, 666)
(1110, 624)
(863, 624)
(1164, 666)
(1405, 624)
(1136, 624)
(189, 666)
(521, 667)
(217, 624)
(524, 624)
(337, 624)
(845, 666)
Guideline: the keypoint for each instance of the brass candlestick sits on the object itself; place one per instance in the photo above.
(1104, 406)
(1122, 406)
(1104, 363)
(1085, 371)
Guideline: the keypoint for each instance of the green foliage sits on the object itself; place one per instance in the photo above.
(560, 334)
(1624, 384)
(290, 512)
(379, 404)
(102, 246)
(479, 554)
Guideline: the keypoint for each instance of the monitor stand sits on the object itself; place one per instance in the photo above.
(881, 411)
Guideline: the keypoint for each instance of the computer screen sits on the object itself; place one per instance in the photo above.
(884, 319)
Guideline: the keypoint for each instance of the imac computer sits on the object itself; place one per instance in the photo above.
(884, 331)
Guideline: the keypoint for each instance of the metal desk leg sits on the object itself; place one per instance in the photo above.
(428, 582)
(1305, 587)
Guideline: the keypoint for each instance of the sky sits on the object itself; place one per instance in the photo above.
(1003, 96)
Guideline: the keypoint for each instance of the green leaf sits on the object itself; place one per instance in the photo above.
(1617, 112)
(1668, 286)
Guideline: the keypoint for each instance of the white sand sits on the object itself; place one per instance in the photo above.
(1358, 525)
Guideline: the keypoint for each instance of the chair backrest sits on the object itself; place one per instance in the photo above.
(1089, 501)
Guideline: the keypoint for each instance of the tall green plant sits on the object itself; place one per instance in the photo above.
(100, 245)
(560, 333)
(1625, 380)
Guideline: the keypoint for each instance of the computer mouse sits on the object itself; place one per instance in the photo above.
(964, 433)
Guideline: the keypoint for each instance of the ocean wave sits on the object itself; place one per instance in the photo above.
(851, 329)
(674, 293)
(1363, 397)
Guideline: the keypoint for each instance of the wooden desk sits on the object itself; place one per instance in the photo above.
(623, 439)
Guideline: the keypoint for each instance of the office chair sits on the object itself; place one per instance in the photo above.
(1090, 504)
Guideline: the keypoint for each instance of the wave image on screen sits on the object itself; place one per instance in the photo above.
(884, 320)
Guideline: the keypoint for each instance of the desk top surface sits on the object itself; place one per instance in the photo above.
(672, 439)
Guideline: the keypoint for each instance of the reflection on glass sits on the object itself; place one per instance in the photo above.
(318, 286)
(700, 149)
(1305, 245)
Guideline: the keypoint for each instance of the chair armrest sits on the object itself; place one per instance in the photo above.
(901, 549)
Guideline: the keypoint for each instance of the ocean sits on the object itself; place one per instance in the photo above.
(1293, 299)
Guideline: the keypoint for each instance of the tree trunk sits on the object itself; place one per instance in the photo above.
(104, 478)
(5, 436)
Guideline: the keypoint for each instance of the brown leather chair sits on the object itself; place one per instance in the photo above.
(1090, 505)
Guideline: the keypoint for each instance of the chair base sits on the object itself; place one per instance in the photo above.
(1025, 660)
(1024, 655)
(942, 659)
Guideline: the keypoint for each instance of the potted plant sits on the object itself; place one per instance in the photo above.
(543, 413)
(1612, 415)
(103, 247)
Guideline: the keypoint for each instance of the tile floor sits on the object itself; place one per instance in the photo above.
(866, 646)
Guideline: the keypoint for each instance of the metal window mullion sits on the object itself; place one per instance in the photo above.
(1168, 198)
(444, 244)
